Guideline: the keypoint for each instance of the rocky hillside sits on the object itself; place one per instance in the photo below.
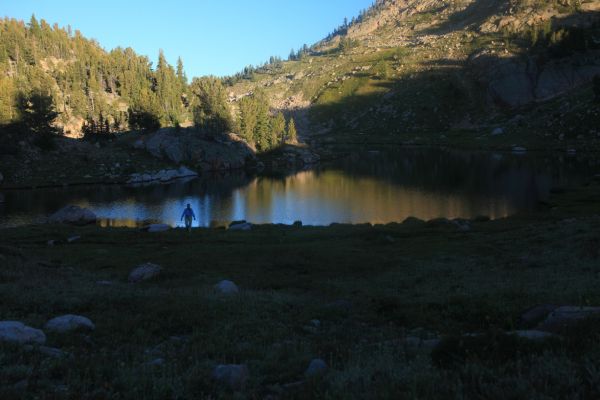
(411, 68)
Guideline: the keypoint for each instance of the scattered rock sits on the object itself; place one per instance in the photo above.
(519, 149)
(73, 215)
(104, 283)
(316, 368)
(144, 272)
(69, 323)
(17, 332)
(226, 287)
(497, 131)
(232, 376)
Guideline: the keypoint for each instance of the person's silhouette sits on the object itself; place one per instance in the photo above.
(188, 215)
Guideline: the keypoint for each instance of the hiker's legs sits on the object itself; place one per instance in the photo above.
(188, 223)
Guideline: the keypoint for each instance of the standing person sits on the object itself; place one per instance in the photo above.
(188, 215)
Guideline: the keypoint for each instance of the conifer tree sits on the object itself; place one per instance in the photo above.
(291, 134)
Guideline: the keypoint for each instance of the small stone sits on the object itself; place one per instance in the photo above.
(232, 376)
(227, 287)
(73, 239)
(144, 272)
(69, 323)
(316, 368)
(158, 362)
(497, 131)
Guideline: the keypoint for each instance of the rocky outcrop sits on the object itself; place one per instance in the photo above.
(514, 81)
(204, 152)
(73, 215)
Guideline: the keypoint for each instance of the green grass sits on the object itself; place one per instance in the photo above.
(424, 281)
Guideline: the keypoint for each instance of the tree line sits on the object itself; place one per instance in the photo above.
(52, 76)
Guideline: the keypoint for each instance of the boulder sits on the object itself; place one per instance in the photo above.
(73, 215)
(241, 227)
(536, 314)
(227, 287)
(565, 317)
(144, 272)
(413, 222)
(316, 368)
(17, 332)
(497, 131)
(155, 228)
(233, 376)
(69, 323)
(174, 152)
(533, 334)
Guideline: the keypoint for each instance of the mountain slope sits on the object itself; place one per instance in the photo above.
(411, 68)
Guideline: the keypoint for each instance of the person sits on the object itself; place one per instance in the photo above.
(188, 215)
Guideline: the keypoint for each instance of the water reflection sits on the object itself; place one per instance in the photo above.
(376, 187)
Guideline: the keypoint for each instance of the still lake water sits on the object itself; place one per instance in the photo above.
(375, 186)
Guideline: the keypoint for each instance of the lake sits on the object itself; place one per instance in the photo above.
(377, 186)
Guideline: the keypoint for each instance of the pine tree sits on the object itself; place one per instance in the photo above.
(277, 129)
(291, 134)
(38, 113)
(209, 106)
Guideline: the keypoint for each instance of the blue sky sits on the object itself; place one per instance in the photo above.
(216, 37)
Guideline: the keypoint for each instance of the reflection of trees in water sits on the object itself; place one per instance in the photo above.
(50, 200)
(449, 171)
